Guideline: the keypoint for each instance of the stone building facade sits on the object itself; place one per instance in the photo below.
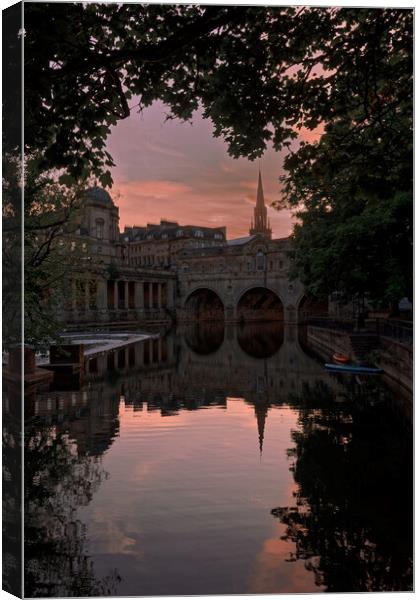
(157, 246)
(168, 271)
(106, 289)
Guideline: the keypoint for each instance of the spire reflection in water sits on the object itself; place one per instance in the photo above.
(182, 456)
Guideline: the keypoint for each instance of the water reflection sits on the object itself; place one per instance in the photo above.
(352, 518)
(12, 487)
(129, 467)
(58, 480)
(260, 340)
(66, 434)
(204, 337)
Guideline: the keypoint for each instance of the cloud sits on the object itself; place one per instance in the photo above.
(179, 171)
(160, 149)
(146, 201)
(153, 188)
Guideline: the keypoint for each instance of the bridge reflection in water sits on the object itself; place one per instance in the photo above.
(291, 480)
(204, 337)
(260, 340)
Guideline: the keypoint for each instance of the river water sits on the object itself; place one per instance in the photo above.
(218, 461)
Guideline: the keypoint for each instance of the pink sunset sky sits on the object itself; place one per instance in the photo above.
(168, 169)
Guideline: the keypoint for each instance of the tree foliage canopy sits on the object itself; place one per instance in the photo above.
(260, 74)
(50, 209)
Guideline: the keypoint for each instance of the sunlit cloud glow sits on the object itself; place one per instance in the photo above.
(179, 171)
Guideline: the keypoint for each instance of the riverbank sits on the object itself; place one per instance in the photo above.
(394, 357)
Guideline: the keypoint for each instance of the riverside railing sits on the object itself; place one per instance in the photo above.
(401, 331)
(329, 323)
(396, 329)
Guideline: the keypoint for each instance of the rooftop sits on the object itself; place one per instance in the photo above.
(240, 241)
(171, 230)
(99, 196)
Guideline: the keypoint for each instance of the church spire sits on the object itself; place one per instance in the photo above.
(261, 225)
(260, 193)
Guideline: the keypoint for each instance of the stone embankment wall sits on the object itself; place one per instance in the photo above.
(395, 358)
(325, 342)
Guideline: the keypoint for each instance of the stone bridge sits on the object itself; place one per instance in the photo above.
(246, 281)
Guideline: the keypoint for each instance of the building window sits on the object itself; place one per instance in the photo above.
(179, 233)
(259, 261)
(198, 233)
(100, 229)
(93, 288)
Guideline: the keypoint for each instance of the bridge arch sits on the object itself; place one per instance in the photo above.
(310, 306)
(204, 304)
(259, 303)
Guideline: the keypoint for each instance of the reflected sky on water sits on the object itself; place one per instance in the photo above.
(218, 460)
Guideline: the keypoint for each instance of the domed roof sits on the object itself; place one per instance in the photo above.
(99, 196)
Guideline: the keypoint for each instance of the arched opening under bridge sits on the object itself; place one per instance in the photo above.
(311, 307)
(204, 305)
(259, 304)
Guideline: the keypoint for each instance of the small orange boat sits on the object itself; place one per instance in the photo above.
(342, 359)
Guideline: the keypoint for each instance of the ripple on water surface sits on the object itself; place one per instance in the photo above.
(293, 485)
